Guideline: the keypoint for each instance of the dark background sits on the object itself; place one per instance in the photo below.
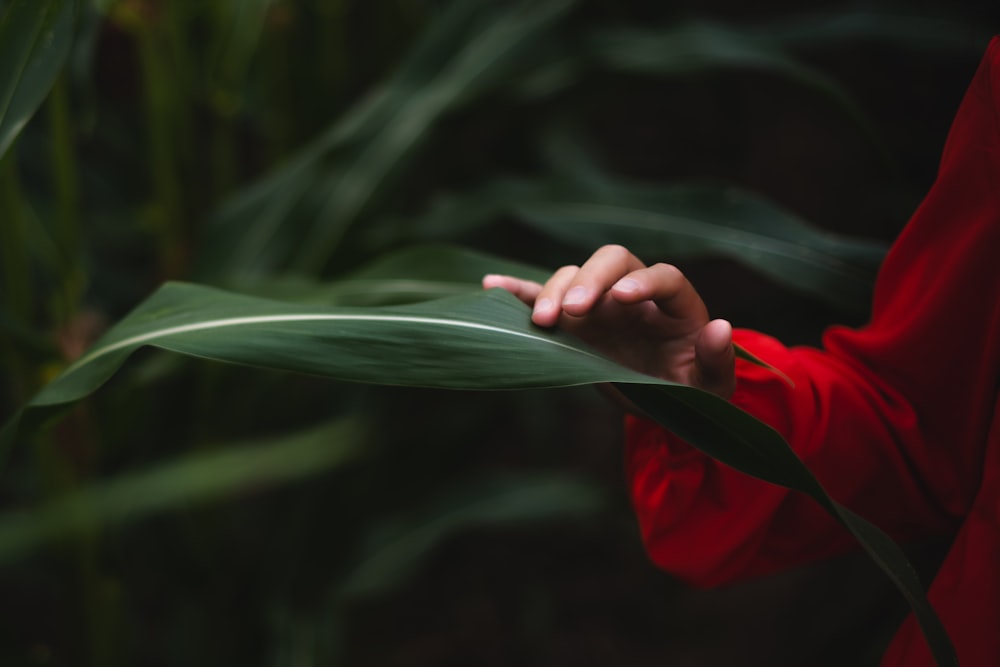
(248, 579)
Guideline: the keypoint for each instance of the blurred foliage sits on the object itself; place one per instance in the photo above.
(303, 149)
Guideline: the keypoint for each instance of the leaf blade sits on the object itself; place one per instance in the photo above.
(35, 40)
(481, 341)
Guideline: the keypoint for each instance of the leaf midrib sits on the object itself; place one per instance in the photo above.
(150, 336)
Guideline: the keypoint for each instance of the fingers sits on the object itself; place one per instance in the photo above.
(715, 359)
(613, 269)
(665, 285)
(604, 268)
(648, 318)
(525, 290)
(574, 290)
(549, 304)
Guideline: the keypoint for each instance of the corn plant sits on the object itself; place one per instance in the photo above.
(282, 248)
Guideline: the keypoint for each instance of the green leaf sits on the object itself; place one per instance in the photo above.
(257, 215)
(35, 39)
(701, 221)
(399, 545)
(188, 481)
(479, 341)
(666, 223)
(472, 49)
(763, 453)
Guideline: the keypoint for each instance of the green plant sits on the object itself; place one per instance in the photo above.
(304, 269)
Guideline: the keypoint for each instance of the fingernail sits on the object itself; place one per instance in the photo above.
(626, 285)
(543, 306)
(575, 296)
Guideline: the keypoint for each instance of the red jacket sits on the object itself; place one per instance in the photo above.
(900, 419)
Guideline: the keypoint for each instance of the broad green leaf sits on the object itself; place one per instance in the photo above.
(181, 483)
(399, 545)
(701, 221)
(35, 39)
(480, 341)
(666, 223)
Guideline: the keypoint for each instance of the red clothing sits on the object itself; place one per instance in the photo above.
(900, 420)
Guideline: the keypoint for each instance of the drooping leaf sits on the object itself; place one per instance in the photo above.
(486, 56)
(472, 48)
(704, 425)
(181, 483)
(481, 341)
(259, 211)
(666, 223)
(701, 221)
(35, 39)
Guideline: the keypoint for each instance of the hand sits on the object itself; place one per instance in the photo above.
(648, 318)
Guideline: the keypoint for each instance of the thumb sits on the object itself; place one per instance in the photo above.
(715, 359)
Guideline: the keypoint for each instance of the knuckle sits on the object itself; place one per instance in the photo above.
(561, 276)
(613, 250)
(669, 271)
(565, 270)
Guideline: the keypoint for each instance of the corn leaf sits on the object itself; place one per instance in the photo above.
(480, 341)
(35, 39)
(700, 221)
(299, 213)
(666, 223)
(714, 428)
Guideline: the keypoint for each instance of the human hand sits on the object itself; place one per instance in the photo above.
(649, 318)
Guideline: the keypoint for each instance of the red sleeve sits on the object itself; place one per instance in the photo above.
(892, 418)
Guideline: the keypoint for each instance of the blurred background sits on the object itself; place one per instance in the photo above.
(361, 153)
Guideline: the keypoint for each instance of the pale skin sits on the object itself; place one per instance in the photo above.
(649, 318)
